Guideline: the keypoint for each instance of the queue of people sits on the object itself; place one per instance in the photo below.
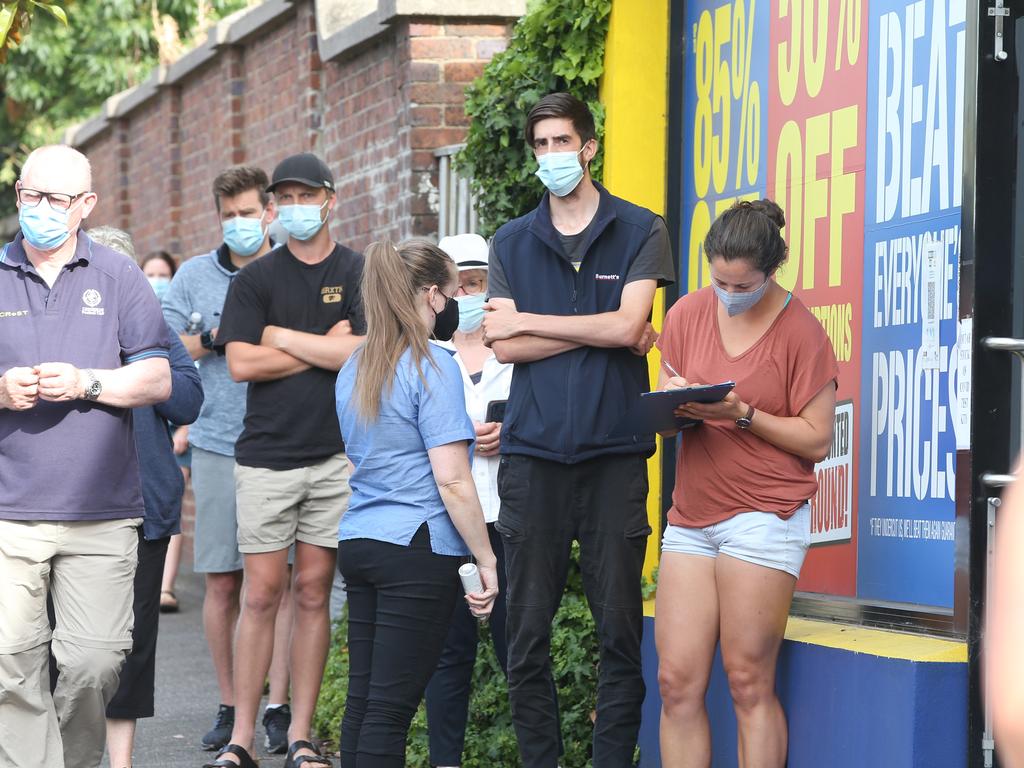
(393, 415)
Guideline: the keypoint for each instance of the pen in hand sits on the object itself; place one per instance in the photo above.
(670, 369)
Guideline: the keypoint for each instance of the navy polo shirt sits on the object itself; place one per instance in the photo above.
(74, 460)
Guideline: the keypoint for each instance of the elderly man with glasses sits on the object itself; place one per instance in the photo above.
(82, 341)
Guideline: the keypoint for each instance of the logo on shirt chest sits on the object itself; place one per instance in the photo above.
(5, 313)
(92, 300)
(331, 294)
(599, 276)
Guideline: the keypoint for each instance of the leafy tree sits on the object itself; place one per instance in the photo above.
(61, 73)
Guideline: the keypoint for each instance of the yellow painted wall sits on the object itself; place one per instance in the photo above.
(634, 90)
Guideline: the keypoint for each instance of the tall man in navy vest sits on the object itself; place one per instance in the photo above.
(82, 342)
(571, 289)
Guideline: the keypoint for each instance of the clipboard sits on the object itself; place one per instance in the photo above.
(653, 411)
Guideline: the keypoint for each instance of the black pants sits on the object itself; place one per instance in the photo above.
(449, 689)
(135, 691)
(544, 506)
(400, 602)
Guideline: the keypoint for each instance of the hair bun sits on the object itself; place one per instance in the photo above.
(770, 209)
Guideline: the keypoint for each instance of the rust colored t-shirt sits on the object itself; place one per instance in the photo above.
(722, 470)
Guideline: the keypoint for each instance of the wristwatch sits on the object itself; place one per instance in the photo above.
(206, 340)
(744, 422)
(93, 388)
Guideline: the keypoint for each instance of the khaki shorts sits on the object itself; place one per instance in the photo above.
(277, 507)
(88, 567)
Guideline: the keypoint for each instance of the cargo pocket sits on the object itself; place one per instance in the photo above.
(511, 522)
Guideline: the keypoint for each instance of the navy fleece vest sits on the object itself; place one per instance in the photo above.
(562, 408)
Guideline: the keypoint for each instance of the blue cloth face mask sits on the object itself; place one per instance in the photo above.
(471, 311)
(159, 285)
(43, 227)
(560, 172)
(244, 236)
(737, 303)
(301, 221)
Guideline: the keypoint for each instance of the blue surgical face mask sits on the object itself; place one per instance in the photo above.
(244, 236)
(471, 311)
(560, 171)
(739, 302)
(159, 285)
(43, 227)
(301, 221)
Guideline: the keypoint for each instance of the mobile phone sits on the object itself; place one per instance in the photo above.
(496, 411)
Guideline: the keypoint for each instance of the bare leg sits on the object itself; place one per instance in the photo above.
(311, 591)
(686, 633)
(755, 604)
(220, 616)
(265, 580)
(171, 564)
(279, 662)
(120, 742)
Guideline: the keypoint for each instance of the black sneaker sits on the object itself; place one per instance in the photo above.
(220, 734)
(276, 722)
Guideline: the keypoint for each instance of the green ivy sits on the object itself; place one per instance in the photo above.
(557, 46)
(490, 740)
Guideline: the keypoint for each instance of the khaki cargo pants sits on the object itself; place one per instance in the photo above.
(89, 568)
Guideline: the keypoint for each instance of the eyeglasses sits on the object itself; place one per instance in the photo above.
(472, 287)
(59, 201)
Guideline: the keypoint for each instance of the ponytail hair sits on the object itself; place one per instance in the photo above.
(750, 230)
(392, 278)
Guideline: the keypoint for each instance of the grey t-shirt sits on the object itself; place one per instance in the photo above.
(653, 262)
(201, 285)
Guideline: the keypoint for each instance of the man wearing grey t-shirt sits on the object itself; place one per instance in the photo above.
(82, 342)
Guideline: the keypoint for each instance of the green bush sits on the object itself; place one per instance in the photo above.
(557, 46)
(490, 740)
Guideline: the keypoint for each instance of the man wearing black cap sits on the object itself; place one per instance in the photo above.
(290, 321)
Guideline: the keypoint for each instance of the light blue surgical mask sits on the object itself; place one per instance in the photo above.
(301, 221)
(244, 236)
(739, 302)
(560, 172)
(471, 311)
(159, 285)
(44, 227)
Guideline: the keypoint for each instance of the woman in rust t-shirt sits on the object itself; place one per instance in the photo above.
(739, 523)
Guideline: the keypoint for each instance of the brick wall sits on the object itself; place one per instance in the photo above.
(375, 113)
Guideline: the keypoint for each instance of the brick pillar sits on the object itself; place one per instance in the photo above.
(173, 96)
(441, 57)
(311, 76)
(234, 66)
(123, 154)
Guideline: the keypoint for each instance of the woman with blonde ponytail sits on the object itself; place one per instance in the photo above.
(414, 514)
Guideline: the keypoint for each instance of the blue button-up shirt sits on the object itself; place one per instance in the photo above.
(73, 460)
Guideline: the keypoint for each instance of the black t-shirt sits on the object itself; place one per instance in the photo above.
(292, 422)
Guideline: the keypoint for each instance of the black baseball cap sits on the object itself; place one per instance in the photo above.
(305, 168)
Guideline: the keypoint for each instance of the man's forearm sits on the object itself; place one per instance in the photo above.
(606, 329)
(194, 346)
(144, 382)
(327, 352)
(253, 362)
(529, 349)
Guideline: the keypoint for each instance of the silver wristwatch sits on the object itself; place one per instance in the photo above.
(94, 387)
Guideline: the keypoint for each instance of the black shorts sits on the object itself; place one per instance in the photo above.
(134, 697)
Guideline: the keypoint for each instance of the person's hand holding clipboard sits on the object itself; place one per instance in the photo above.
(671, 409)
(728, 408)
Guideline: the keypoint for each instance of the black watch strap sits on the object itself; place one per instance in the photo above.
(206, 339)
(744, 422)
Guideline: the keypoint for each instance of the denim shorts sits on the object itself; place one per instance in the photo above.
(761, 538)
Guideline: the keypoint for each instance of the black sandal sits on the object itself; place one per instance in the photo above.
(294, 762)
(244, 758)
